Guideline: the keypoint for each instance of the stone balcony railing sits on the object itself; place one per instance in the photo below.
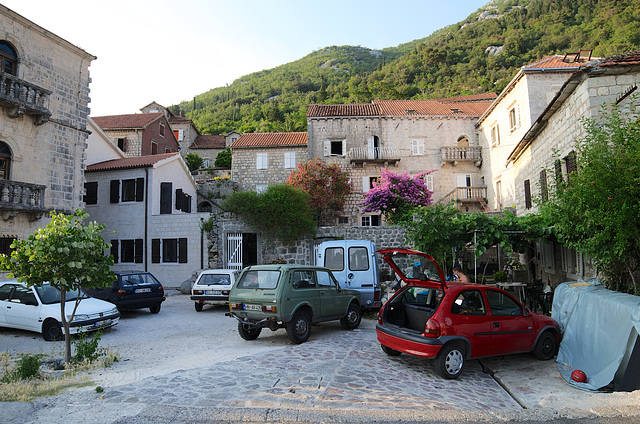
(376, 155)
(21, 197)
(460, 154)
(465, 195)
(20, 97)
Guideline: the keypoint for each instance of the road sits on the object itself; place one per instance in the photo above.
(186, 366)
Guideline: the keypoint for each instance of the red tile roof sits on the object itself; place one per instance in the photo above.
(174, 118)
(271, 139)
(128, 163)
(473, 105)
(135, 120)
(209, 142)
(626, 59)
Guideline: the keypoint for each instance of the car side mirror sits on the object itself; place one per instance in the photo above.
(527, 312)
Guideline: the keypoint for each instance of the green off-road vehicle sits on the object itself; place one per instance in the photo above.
(291, 297)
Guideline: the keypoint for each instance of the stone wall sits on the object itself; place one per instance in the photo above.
(244, 166)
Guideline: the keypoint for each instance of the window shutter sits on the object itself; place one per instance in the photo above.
(544, 193)
(365, 184)
(558, 166)
(571, 163)
(179, 199)
(139, 189)
(527, 194)
(327, 148)
(182, 250)
(138, 251)
(114, 250)
(187, 203)
(91, 193)
(115, 191)
(155, 251)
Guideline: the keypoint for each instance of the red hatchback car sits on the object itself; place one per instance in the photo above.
(453, 322)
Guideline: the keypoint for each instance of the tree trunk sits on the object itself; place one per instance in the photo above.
(65, 325)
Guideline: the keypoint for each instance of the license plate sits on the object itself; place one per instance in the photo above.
(252, 307)
(101, 324)
(213, 292)
(143, 290)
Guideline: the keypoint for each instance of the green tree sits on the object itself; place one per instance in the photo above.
(223, 160)
(327, 186)
(194, 162)
(597, 209)
(281, 212)
(68, 254)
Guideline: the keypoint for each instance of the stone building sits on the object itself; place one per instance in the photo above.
(411, 136)
(139, 134)
(44, 97)
(262, 159)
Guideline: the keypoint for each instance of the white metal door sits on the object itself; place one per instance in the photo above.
(234, 251)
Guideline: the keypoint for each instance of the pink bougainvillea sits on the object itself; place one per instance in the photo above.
(328, 186)
(394, 192)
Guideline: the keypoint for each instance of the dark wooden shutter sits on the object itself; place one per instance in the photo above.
(91, 193)
(544, 192)
(558, 166)
(187, 203)
(570, 160)
(114, 250)
(527, 194)
(139, 189)
(182, 250)
(138, 250)
(115, 191)
(179, 199)
(165, 198)
(155, 251)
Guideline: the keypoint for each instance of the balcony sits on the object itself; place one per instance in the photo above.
(466, 195)
(22, 98)
(363, 155)
(462, 154)
(21, 197)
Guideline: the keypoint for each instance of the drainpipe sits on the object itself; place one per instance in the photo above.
(146, 221)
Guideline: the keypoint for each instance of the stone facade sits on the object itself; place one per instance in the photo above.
(250, 177)
(43, 126)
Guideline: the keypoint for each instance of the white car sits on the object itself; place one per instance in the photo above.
(38, 309)
(213, 286)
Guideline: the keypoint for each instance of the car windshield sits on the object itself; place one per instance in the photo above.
(138, 280)
(259, 279)
(49, 294)
(416, 267)
(222, 279)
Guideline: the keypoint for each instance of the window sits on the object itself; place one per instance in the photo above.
(290, 159)
(169, 250)
(324, 279)
(161, 129)
(303, 280)
(371, 221)
(183, 201)
(127, 251)
(468, 302)
(428, 179)
(527, 194)
(336, 148)
(334, 258)
(5, 245)
(502, 305)
(122, 143)
(358, 259)
(154, 147)
(495, 135)
(165, 197)
(91, 193)
(262, 160)
(9, 58)
(544, 191)
(206, 162)
(5, 161)
(132, 190)
(417, 147)
(343, 220)
(178, 134)
(261, 188)
(514, 122)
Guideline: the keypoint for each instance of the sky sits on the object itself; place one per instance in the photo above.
(169, 51)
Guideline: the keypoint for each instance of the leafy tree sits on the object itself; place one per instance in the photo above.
(327, 186)
(396, 194)
(280, 212)
(194, 162)
(223, 160)
(66, 253)
(597, 209)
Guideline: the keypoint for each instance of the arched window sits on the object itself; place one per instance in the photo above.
(5, 161)
(9, 58)
(463, 141)
(205, 207)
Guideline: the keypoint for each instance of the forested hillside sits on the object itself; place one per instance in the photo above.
(480, 54)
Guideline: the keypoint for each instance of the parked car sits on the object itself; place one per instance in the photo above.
(132, 290)
(453, 322)
(291, 297)
(213, 286)
(38, 309)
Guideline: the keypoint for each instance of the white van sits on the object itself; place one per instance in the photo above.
(355, 266)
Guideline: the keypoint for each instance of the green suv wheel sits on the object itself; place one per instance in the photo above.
(299, 328)
(352, 319)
